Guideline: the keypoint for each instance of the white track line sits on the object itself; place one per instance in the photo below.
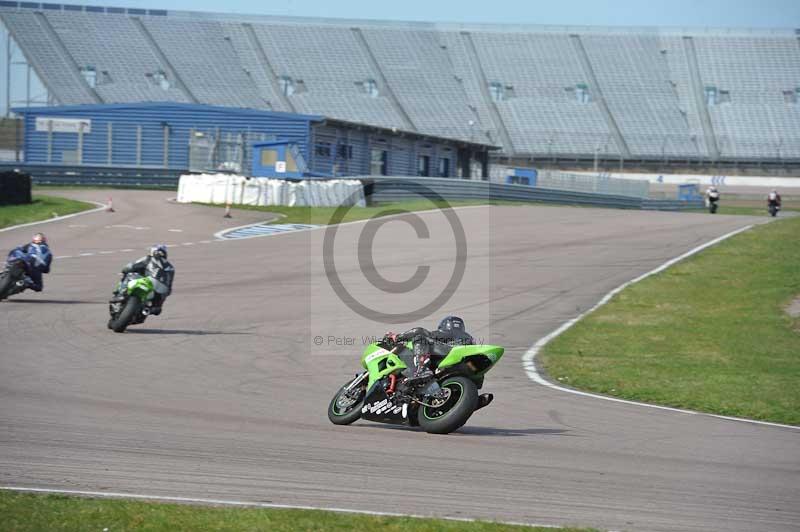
(529, 358)
(99, 208)
(119, 495)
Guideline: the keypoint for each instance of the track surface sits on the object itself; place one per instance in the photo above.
(224, 395)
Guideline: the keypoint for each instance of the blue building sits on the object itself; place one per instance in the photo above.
(196, 137)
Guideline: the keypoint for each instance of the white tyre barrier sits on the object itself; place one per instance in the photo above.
(238, 190)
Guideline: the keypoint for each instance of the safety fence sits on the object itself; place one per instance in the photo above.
(385, 189)
(376, 188)
(593, 184)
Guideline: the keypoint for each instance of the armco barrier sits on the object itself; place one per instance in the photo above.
(405, 188)
(98, 175)
(377, 188)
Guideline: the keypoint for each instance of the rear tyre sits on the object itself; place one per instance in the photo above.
(126, 315)
(345, 408)
(449, 414)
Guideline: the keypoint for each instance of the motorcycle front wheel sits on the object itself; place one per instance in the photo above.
(345, 407)
(450, 412)
(6, 282)
(126, 315)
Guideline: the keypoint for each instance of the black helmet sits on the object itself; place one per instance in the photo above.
(452, 324)
(158, 251)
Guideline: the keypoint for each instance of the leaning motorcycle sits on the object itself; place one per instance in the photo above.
(13, 275)
(439, 406)
(131, 302)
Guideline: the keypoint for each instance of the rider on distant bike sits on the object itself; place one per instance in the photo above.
(773, 198)
(38, 259)
(155, 266)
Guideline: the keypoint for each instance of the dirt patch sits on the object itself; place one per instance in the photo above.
(793, 309)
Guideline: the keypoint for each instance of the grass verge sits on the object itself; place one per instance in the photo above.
(710, 333)
(324, 215)
(23, 512)
(42, 208)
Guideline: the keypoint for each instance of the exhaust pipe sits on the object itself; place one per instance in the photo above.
(484, 400)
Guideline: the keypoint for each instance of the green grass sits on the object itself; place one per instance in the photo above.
(710, 333)
(42, 208)
(325, 215)
(23, 512)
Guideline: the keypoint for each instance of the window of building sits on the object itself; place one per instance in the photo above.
(159, 78)
(90, 75)
(444, 167)
(268, 157)
(582, 93)
(724, 97)
(791, 96)
(344, 151)
(710, 94)
(323, 149)
(287, 85)
(497, 91)
(370, 87)
(424, 165)
(379, 159)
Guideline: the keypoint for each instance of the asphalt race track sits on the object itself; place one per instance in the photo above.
(224, 396)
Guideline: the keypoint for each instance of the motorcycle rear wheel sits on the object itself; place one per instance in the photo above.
(451, 413)
(126, 315)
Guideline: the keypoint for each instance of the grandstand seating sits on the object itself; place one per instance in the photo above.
(557, 92)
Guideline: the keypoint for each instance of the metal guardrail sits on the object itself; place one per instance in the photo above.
(378, 188)
(405, 188)
(98, 175)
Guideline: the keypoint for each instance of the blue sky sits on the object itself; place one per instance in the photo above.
(702, 13)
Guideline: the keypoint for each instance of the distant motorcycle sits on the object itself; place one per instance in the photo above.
(131, 302)
(12, 278)
(713, 201)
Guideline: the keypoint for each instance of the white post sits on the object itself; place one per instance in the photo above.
(138, 145)
(166, 146)
(80, 143)
(110, 147)
(49, 141)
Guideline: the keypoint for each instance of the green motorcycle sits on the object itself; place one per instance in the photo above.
(131, 302)
(384, 393)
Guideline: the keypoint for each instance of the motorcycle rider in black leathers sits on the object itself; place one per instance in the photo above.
(450, 332)
(155, 266)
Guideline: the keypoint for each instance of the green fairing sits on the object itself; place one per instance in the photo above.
(373, 355)
(459, 353)
(141, 288)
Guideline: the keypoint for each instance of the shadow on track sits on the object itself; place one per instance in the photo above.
(494, 431)
(55, 301)
(477, 431)
(183, 331)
